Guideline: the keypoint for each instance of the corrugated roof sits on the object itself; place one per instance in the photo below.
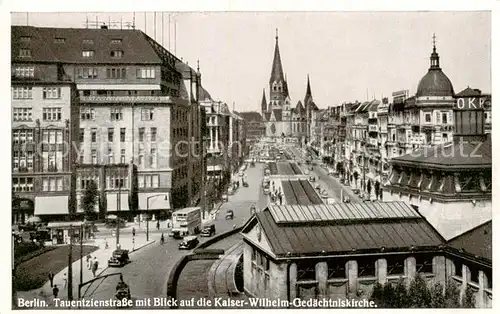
(467, 154)
(345, 211)
(44, 47)
(332, 237)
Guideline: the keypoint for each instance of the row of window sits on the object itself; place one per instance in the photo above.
(22, 161)
(113, 53)
(48, 136)
(111, 135)
(115, 73)
(26, 114)
(24, 71)
(22, 184)
(179, 173)
(152, 157)
(116, 114)
(148, 180)
(181, 116)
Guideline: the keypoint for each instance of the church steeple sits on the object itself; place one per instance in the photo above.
(434, 55)
(308, 96)
(277, 70)
(263, 105)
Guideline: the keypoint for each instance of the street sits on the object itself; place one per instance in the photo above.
(147, 273)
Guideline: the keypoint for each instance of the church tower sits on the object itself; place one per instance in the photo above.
(277, 84)
(263, 104)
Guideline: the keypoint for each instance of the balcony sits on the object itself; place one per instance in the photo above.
(101, 99)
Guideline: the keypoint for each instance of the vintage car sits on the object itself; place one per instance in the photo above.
(188, 243)
(208, 230)
(267, 191)
(312, 178)
(229, 214)
(245, 184)
(118, 258)
(176, 234)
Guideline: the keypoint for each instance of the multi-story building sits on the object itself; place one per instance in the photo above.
(138, 106)
(255, 128)
(237, 140)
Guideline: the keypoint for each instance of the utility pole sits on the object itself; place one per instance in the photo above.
(81, 260)
(119, 205)
(70, 264)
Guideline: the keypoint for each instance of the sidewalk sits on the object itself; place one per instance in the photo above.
(102, 255)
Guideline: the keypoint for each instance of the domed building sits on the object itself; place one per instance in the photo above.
(432, 107)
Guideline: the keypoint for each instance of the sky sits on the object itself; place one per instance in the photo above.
(348, 55)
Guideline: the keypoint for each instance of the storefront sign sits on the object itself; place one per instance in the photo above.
(470, 103)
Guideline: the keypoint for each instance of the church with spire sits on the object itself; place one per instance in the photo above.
(281, 118)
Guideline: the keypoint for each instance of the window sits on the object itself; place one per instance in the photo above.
(22, 93)
(144, 73)
(116, 53)
(24, 52)
(82, 156)
(59, 40)
(396, 265)
(50, 184)
(51, 93)
(141, 156)
(116, 41)
(444, 117)
(94, 156)
(22, 114)
(428, 117)
(116, 73)
(153, 134)
(305, 270)
(141, 134)
(87, 113)
(24, 71)
(111, 133)
(122, 156)
(445, 137)
(111, 156)
(25, 39)
(87, 53)
(336, 268)
(22, 184)
(88, 41)
(424, 263)
(93, 135)
(147, 114)
(366, 267)
(149, 181)
(122, 135)
(116, 181)
(116, 114)
(52, 114)
(82, 135)
(87, 73)
(153, 157)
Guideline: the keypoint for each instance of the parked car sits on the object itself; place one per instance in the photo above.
(245, 184)
(188, 243)
(208, 230)
(224, 198)
(176, 234)
(118, 258)
(229, 214)
(311, 168)
(312, 178)
(318, 187)
(267, 191)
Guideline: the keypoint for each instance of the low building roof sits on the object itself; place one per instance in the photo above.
(453, 155)
(476, 241)
(344, 228)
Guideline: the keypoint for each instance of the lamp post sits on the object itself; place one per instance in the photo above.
(147, 212)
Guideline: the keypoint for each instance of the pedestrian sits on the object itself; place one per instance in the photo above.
(65, 280)
(89, 263)
(95, 266)
(158, 225)
(55, 291)
(51, 278)
(133, 232)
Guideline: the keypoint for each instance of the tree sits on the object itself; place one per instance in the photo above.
(418, 293)
(469, 299)
(89, 200)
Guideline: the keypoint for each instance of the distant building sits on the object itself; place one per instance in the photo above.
(255, 127)
(342, 251)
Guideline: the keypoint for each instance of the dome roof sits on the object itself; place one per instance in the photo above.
(435, 83)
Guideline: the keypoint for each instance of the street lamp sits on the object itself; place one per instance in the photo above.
(147, 211)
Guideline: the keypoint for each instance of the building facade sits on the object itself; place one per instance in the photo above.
(138, 109)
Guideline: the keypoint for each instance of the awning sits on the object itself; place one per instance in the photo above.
(156, 201)
(51, 205)
(64, 224)
(112, 201)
